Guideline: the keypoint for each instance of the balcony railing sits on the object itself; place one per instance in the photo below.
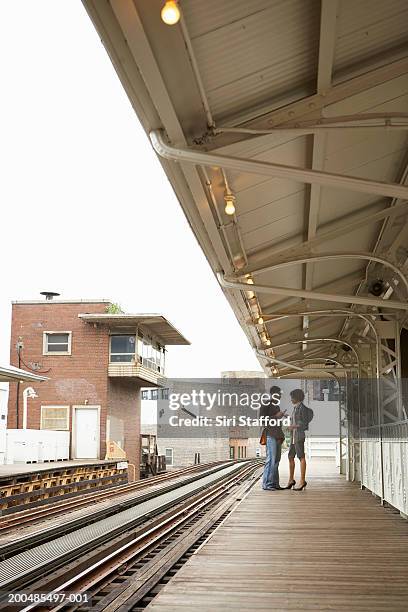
(141, 371)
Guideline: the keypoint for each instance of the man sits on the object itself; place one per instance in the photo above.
(274, 439)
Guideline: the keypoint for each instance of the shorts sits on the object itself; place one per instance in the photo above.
(297, 450)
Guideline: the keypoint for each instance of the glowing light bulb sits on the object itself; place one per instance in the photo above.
(250, 281)
(250, 295)
(229, 204)
(268, 342)
(260, 321)
(170, 13)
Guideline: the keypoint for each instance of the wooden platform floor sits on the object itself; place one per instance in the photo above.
(331, 547)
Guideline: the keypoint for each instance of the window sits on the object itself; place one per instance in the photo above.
(122, 349)
(145, 394)
(165, 394)
(55, 417)
(140, 347)
(169, 456)
(154, 394)
(232, 452)
(126, 348)
(57, 343)
(324, 390)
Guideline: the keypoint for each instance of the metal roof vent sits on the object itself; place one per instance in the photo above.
(49, 295)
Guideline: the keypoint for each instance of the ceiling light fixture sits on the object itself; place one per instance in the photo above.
(170, 13)
(229, 199)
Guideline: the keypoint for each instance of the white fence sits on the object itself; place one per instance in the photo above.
(323, 448)
(36, 445)
(384, 463)
(3, 420)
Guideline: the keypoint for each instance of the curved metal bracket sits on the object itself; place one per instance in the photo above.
(315, 295)
(334, 255)
(251, 166)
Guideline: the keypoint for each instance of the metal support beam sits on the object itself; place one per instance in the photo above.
(320, 340)
(315, 103)
(327, 42)
(250, 166)
(346, 312)
(339, 285)
(371, 122)
(387, 237)
(335, 256)
(276, 361)
(314, 295)
(196, 71)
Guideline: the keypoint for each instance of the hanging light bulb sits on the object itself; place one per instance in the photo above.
(260, 321)
(229, 199)
(268, 342)
(170, 12)
(249, 281)
(275, 370)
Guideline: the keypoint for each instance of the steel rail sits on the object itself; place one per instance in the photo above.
(94, 573)
(19, 544)
(30, 516)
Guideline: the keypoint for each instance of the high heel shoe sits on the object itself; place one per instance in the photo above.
(291, 484)
(301, 488)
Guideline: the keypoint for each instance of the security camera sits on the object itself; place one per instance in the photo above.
(30, 392)
(377, 287)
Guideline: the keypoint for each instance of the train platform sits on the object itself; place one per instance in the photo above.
(330, 547)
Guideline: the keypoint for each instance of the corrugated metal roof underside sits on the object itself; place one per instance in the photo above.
(253, 53)
(254, 57)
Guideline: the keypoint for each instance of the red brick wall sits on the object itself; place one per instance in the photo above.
(73, 378)
(124, 415)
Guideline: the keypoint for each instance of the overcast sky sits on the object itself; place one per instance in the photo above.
(86, 207)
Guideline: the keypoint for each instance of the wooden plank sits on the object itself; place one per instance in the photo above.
(331, 547)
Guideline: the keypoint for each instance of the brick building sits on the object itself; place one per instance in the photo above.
(96, 363)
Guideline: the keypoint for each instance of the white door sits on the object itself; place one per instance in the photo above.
(86, 432)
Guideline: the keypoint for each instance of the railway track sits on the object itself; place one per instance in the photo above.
(127, 570)
(30, 516)
(18, 542)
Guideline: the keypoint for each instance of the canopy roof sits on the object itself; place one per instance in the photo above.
(300, 111)
(158, 325)
(10, 374)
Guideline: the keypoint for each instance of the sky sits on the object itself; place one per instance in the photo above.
(87, 210)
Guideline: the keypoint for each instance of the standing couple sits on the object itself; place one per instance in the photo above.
(300, 418)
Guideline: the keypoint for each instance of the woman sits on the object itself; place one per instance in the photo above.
(299, 424)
